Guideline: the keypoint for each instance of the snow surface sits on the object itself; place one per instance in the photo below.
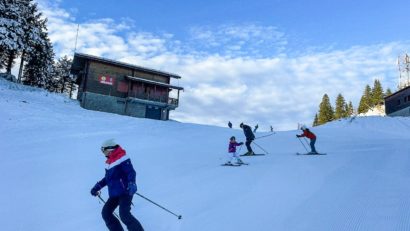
(51, 159)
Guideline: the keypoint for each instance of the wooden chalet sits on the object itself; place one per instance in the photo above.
(111, 86)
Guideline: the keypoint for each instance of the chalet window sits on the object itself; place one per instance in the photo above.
(122, 87)
(398, 102)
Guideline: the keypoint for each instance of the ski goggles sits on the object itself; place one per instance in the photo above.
(103, 149)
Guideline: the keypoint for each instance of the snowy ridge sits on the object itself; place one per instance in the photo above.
(51, 159)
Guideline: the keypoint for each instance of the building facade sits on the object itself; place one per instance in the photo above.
(121, 88)
(398, 103)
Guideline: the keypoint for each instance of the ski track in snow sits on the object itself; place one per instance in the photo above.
(51, 160)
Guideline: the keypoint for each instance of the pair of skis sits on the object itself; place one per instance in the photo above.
(252, 155)
(311, 154)
(237, 165)
(234, 165)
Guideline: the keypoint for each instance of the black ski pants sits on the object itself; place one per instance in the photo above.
(124, 203)
(248, 144)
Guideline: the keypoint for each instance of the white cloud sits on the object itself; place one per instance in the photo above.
(237, 81)
(246, 39)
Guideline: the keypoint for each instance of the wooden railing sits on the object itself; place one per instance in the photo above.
(162, 99)
(173, 101)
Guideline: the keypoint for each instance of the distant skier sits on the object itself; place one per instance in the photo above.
(232, 152)
(256, 128)
(249, 138)
(120, 179)
(307, 133)
(229, 124)
(271, 128)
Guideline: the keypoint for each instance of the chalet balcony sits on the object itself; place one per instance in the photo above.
(173, 101)
(160, 100)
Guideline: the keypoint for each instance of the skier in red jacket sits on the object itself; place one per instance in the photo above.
(307, 133)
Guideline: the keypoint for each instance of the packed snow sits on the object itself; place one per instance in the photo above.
(51, 158)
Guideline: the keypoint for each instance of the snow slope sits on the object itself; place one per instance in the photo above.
(51, 159)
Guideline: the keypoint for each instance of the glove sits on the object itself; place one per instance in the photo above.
(132, 188)
(95, 191)
(297, 136)
(240, 143)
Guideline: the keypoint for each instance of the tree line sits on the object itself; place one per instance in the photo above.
(24, 36)
(371, 97)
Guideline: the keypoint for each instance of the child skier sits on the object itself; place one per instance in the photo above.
(307, 133)
(232, 152)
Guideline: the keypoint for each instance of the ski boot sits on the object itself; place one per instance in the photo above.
(239, 161)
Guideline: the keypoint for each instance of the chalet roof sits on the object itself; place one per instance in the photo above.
(133, 78)
(395, 93)
(79, 57)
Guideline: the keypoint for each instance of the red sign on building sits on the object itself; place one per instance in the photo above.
(106, 80)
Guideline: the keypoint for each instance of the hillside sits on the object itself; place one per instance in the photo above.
(51, 159)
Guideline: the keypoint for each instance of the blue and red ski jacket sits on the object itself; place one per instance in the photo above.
(118, 173)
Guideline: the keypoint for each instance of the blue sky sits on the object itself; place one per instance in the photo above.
(308, 23)
(266, 62)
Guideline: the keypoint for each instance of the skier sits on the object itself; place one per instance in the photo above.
(249, 138)
(120, 179)
(307, 133)
(256, 128)
(232, 152)
(229, 124)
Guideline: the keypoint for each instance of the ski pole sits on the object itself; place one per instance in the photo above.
(115, 214)
(240, 149)
(261, 148)
(306, 141)
(179, 216)
(264, 136)
(303, 144)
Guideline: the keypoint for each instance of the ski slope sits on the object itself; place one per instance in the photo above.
(51, 159)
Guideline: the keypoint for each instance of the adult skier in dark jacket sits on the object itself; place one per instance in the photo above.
(249, 138)
(120, 179)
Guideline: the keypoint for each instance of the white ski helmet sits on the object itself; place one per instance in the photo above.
(109, 144)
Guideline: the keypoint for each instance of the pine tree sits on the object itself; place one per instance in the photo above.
(377, 93)
(64, 82)
(315, 121)
(38, 51)
(32, 30)
(2, 60)
(366, 100)
(325, 111)
(388, 92)
(340, 109)
(349, 109)
(11, 31)
(38, 70)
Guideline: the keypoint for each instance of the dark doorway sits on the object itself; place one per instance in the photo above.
(153, 112)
